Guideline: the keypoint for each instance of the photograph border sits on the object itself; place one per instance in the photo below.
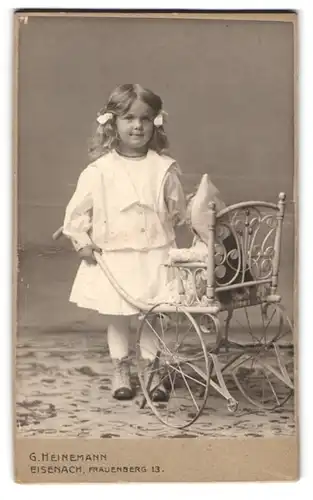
(183, 460)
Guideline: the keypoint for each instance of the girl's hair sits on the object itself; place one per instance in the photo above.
(119, 102)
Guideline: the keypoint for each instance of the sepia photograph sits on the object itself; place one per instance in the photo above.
(156, 228)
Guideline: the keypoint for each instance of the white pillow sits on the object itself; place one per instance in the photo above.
(199, 204)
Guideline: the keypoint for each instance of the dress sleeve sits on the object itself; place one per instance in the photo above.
(174, 196)
(78, 214)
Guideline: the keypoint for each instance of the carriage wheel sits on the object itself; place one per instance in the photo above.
(180, 364)
(264, 372)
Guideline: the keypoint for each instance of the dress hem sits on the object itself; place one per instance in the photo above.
(104, 313)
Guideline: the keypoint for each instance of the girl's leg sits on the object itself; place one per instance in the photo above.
(118, 341)
(149, 347)
(148, 344)
(118, 336)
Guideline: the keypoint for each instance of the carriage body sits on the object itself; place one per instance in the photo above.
(243, 252)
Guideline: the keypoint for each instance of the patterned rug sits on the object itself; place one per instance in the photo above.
(63, 390)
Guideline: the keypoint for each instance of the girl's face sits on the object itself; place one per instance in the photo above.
(135, 128)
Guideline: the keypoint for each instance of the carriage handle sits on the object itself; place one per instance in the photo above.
(58, 233)
(141, 306)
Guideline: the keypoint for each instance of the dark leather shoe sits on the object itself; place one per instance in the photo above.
(121, 385)
(123, 394)
(160, 396)
(156, 388)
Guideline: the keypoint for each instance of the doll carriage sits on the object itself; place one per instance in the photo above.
(225, 330)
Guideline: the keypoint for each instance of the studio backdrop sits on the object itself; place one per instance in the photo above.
(227, 87)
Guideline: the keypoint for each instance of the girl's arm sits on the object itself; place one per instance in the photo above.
(77, 221)
(175, 197)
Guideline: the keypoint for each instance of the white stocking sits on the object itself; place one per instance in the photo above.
(118, 337)
(149, 344)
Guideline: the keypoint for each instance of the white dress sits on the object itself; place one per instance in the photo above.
(141, 273)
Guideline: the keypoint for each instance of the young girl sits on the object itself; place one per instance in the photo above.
(125, 206)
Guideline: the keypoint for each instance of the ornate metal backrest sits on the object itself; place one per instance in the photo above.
(244, 245)
(243, 252)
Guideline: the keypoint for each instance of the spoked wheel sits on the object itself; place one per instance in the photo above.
(180, 365)
(264, 372)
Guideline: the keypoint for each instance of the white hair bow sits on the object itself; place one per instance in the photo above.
(103, 119)
(159, 119)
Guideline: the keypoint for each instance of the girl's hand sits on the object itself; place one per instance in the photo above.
(86, 253)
